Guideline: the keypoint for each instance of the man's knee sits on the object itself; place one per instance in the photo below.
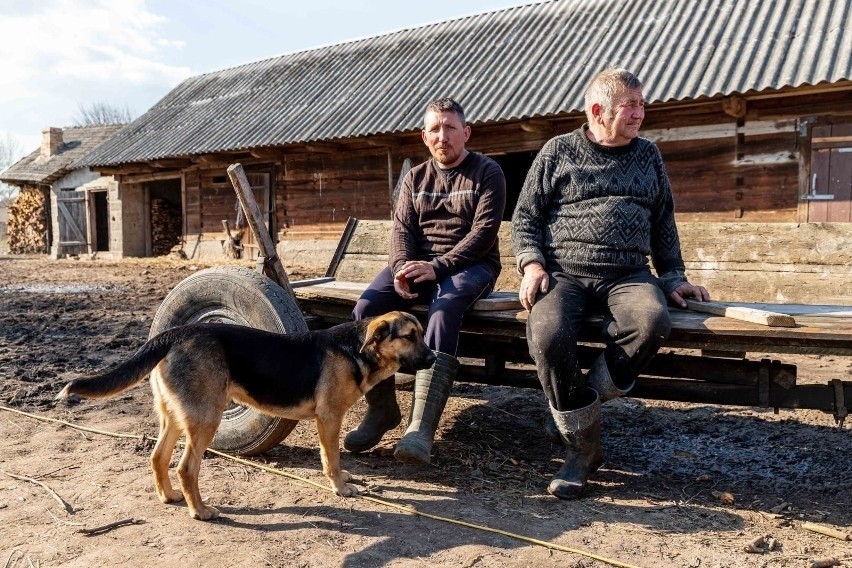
(549, 340)
(365, 308)
(651, 314)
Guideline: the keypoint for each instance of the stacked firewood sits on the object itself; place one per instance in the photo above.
(26, 229)
(165, 226)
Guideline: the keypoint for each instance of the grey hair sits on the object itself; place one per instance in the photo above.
(446, 105)
(606, 85)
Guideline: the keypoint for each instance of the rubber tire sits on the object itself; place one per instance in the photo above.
(238, 295)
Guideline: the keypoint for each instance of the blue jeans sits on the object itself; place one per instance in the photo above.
(636, 323)
(448, 300)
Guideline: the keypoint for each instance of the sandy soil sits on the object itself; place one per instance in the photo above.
(661, 499)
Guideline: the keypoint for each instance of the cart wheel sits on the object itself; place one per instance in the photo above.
(237, 295)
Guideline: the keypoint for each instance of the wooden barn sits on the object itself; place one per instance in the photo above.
(71, 205)
(749, 102)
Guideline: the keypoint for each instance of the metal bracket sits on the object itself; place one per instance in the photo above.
(840, 410)
(265, 263)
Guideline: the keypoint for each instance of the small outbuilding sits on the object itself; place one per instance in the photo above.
(68, 207)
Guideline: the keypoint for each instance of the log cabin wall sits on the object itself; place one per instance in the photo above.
(730, 161)
(319, 190)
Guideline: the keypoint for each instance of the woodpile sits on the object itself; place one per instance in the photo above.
(27, 226)
(165, 227)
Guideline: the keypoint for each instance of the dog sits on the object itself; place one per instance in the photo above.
(197, 369)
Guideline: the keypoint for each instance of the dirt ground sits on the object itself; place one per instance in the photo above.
(662, 497)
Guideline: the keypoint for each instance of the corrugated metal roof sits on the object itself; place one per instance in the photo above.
(77, 142)
(526, 61)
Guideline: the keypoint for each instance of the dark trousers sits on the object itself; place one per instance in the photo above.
(448, 299)
(635, 325)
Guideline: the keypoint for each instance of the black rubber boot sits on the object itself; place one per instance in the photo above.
(550, 429)
(382, 415)
(601, 381)
(581, 434)
(431, 390)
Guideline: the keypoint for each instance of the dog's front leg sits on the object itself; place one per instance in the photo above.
(328, 431)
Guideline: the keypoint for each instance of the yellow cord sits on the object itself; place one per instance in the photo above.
(406, 508)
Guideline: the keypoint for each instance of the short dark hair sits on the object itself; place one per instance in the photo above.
(446, 105)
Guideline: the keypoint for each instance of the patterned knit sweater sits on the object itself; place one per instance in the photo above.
(596, 211)
(450, 217)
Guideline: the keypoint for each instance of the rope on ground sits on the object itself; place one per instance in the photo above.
(405, 508)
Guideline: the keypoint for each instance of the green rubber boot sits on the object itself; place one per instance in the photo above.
(431, 390)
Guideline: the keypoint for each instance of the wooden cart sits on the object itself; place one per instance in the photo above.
(493, 347)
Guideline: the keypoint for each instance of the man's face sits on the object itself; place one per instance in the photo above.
(622, 121)
(445, 136)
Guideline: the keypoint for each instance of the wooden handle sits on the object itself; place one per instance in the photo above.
(762, 317)
(273, 267)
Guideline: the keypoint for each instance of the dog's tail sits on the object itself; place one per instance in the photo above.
(126, 374)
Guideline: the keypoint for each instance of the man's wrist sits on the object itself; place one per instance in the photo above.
(531, 266)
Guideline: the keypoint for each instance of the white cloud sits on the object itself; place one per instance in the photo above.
(59, 54)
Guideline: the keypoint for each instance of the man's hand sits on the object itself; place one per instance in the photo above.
(535, 280)
(415, 270)
(687, 290)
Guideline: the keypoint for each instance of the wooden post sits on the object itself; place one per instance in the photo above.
(272, 266)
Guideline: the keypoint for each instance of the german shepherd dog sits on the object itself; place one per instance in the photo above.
(197, 369)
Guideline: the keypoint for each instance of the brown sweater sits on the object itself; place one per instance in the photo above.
(450, 217)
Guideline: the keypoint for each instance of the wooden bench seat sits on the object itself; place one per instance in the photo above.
(494, 337)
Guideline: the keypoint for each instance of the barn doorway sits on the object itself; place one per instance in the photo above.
(515, 166)
(101, 220)
(166, 215)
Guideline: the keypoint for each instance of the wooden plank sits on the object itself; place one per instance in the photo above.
(762, 317)
(828, 324)
(255, 221)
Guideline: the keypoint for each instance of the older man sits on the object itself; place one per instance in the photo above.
(444, 253)
(595, 205)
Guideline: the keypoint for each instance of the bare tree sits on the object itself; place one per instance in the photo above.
(101, 113)
(10, 152)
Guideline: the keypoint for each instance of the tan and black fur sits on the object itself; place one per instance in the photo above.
(197, 369)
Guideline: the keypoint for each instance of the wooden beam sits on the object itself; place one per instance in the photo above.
(734, 106)
(267, 153)
(762, 317)
(170, 163)
(536, 126)
(134, 169)
(326, 148)
(146, 176)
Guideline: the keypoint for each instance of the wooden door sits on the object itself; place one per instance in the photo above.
(830, 191)
(259, 182)
(71, 210)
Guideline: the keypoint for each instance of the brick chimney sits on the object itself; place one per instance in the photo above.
(51, 142)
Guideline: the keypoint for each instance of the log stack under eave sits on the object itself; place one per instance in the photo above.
(27, 228)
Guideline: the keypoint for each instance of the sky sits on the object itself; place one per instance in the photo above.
(59, 55)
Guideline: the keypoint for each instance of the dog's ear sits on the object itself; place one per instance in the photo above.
(377, 330)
